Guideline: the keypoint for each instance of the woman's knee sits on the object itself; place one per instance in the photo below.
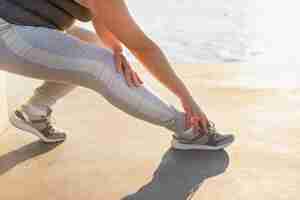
(85, 35)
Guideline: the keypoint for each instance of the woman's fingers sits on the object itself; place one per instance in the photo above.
(195, 117)
(118, 62)
(202, 124)
(127, 75)
(188, 114)
(195, 124)
(188, 123)
(188, 117)
(135, 79)
(123, 66)
(139, 79)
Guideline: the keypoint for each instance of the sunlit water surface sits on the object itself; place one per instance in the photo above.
(263, 33)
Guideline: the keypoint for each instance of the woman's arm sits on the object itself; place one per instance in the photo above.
(108, 38)
(115, 16)
(122, 65)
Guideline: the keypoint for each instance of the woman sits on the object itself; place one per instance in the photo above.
(37, 40)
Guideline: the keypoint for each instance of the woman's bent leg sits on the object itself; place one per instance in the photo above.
(50, 92)
(55, 56)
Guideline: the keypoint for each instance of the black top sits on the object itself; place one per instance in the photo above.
(57, 14)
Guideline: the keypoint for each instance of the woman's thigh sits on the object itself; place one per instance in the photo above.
(51, 91)
(55, 56)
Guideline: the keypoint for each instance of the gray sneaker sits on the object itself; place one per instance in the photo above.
(211, 141)
(42, 127)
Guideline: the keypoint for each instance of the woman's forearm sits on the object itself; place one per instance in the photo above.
(114, 14)
(151, 56)
(157, 64)
(117, 19)
(108, 39)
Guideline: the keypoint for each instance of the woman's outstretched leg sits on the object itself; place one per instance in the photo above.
(65, 59)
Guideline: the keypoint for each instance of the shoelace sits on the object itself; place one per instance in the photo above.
(212, 131)
(49, 129)
(212, 128)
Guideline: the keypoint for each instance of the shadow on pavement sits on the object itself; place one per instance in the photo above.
(181, 173)
(13, 158)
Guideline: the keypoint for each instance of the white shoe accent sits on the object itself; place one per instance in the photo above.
(182, 146)
(25, 126)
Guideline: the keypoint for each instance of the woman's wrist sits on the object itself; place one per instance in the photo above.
(112, 42)
(115, 45)
(183, 93)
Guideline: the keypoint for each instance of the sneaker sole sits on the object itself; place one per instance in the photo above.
(180, 146)
(20, 124)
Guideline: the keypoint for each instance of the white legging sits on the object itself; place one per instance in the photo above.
(62, 59)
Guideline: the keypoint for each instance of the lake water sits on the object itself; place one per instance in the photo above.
(219, 30)
(259, 32)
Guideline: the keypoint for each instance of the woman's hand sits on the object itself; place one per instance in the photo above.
(113, 43)
(115, 17)
(195, 117)
(123, 66)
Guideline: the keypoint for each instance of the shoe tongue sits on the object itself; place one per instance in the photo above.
(37, 111)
